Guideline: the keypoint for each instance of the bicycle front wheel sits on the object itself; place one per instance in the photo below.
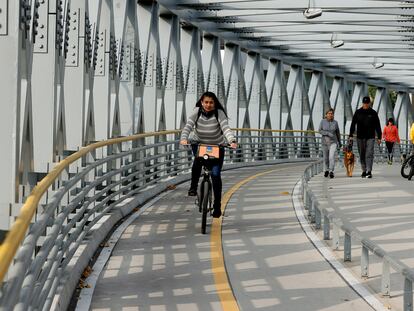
(406, 166)
(204, 205)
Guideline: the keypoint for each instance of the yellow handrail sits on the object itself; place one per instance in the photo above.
(17, 232)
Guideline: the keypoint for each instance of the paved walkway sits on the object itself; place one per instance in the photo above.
(381, 209)
(162, 262)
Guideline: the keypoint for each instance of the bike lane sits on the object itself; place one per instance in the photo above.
(163, 262)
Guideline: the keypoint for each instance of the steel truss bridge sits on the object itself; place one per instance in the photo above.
(79, 77)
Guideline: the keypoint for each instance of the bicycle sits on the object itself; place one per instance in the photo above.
(206, 153)
(407, 167)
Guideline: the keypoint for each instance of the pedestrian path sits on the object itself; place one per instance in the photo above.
(163, 262)
(380, 209)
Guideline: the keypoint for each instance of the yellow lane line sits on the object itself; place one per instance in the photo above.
(226, 295)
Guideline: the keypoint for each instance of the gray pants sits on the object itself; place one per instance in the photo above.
(366, 153)
(329, 154)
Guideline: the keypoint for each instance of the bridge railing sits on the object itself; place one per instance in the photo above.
(333, 226)
(64, 210)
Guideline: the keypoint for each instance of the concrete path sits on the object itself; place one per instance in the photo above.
(163, 262)
(381, 209)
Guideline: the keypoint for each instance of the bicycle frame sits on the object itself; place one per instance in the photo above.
(205, 197)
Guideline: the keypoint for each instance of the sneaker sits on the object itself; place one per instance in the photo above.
(326, 173)
(369, 175)
(192, 193)
(331, 175)
(364, 174)
(217, 213)
(389, 162)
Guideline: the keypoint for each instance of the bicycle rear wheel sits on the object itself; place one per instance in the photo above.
(407, 166)
(204, 205)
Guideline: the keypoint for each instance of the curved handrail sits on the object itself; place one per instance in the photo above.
(17, 232)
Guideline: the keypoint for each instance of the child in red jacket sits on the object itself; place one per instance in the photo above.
(390, 136)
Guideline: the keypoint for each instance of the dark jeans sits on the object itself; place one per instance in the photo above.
(390, 146)
(215, 171)
(366, 153)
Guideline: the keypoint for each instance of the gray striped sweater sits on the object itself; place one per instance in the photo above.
(208, 130)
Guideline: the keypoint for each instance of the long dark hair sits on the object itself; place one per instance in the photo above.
(217, 104)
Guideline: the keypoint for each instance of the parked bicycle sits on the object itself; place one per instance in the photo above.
(407, 167)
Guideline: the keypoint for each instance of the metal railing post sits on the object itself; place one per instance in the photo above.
(318, 217)
(408, 295)
(326, 228)
(335, 236)
(347, 247)
(385, 278)
(364, 262)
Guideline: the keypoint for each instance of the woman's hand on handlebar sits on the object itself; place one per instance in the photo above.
(233, 145)
(184, 142)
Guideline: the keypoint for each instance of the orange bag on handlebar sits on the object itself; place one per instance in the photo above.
(212, 151)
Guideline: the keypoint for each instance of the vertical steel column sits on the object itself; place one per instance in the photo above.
(382, 105)
(78, 84)
(235, 85)
(125, 32)
(105, 72)
(25, 136)
(403, 114)
(279, 109)
(360, 90)
(151, 112)
(298, 102)
(258, 110)
(277, 95)
(15, 88)
(340, 102)
(212, 65)
(318, 97)
(192, 66)
(44, 110)
(173, 81)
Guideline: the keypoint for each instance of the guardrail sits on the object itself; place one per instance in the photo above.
(68, 207)
(329, 222)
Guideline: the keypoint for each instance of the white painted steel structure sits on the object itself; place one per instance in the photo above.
(77, 71)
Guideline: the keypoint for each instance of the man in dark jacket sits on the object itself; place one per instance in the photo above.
(367, 123)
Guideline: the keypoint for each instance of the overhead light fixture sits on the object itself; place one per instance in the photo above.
(312, 12)
(376, 64)
(335, 43)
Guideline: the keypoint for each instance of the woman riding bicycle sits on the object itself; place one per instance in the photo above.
(210, 124)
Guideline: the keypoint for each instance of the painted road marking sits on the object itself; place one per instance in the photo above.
(223, 287)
